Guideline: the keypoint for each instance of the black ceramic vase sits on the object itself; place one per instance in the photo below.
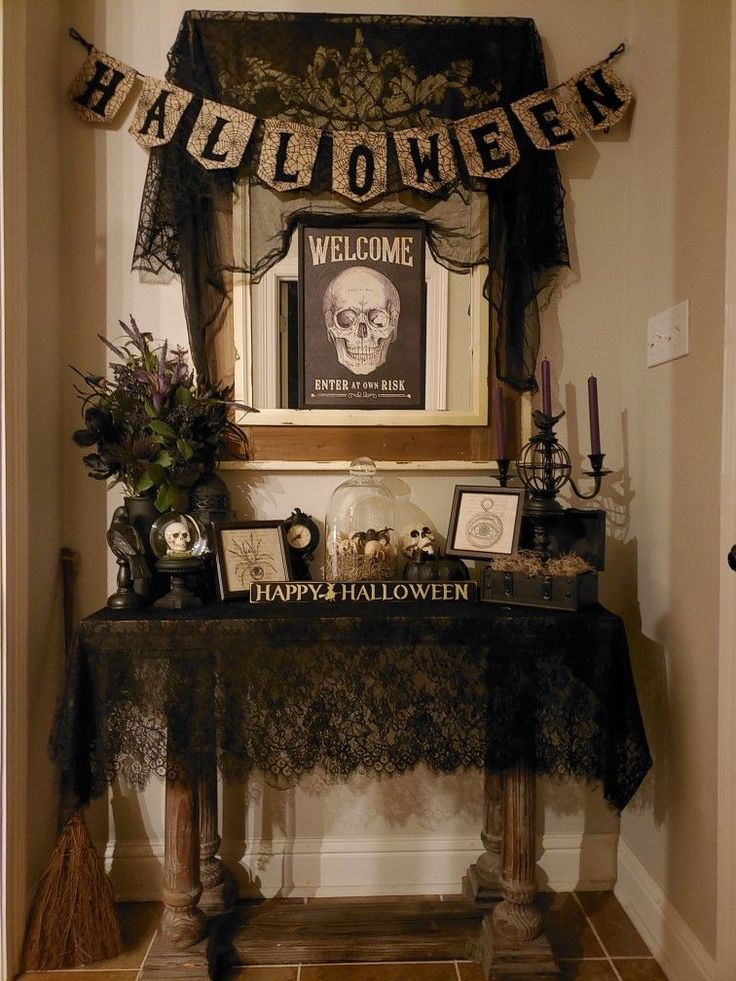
(142, 512)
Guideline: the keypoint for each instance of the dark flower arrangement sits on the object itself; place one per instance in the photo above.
(154, 427)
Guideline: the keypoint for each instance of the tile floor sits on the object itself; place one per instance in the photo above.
(591, 936)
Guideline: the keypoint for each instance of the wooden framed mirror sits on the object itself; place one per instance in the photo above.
(455, 428)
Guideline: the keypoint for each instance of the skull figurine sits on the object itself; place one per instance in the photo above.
(417, 541)
(177, 538)
(339, 545)
(361, 311)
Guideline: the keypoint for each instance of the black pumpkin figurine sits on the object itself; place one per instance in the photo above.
(435, 567)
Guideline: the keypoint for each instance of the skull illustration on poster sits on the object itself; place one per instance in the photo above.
(361, 308)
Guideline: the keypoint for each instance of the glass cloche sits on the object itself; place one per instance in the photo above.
(361, 528)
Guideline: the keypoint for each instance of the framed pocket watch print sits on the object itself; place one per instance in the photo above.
(484, 521)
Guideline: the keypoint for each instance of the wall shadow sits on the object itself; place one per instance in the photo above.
(127, 813)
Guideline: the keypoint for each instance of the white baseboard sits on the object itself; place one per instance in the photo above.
(408, 865)
(679, 952)
(576, 861)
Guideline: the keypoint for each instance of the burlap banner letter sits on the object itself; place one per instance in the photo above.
(547, 120)
(425, 157)
(358, 164)
(598, 96)
(220, 135)
(101, 87)
(288, 152)
(487, 143)
(158, 112)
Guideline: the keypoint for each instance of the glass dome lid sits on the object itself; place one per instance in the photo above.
(361, 527)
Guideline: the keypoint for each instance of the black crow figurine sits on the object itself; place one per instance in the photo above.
(126, 543)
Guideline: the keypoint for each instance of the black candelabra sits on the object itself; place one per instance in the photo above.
(544, 468)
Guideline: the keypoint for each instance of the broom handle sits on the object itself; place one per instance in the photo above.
(67, 584)
(67, 578)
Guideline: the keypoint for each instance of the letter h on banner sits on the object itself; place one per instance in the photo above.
(101, 87)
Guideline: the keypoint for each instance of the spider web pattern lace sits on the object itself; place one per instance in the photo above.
(380, 72)
(286, 692)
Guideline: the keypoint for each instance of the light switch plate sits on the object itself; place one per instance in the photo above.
(667, 335)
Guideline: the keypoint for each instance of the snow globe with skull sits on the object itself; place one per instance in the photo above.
(179, 542)
(360, 527)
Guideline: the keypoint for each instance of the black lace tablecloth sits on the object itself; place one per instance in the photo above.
(349, 688)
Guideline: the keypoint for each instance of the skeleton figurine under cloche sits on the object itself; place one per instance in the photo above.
(361, 308)
(360, 528)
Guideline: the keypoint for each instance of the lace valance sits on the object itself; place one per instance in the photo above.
(348, 71)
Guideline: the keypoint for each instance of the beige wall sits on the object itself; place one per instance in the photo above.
(33, 346)
(645, 216)
(726, 941)
(46, 358)
(676, 250)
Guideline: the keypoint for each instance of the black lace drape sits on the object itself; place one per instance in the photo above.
(405, 69)
(349, 689)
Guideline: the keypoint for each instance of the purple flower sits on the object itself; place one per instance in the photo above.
(160, 382)
(180, 368)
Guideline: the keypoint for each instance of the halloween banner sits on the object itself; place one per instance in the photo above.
(430, 157)
(101, 87)
(159, 110)
(487, 143)
(547, 120)
(426, 159)
(220, 135)
(288, 153)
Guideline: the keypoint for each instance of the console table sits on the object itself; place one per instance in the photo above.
(359, 687)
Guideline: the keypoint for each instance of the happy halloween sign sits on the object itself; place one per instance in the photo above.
(363, 592)
(430, 157)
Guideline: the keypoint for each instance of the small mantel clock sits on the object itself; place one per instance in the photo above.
(302, 537)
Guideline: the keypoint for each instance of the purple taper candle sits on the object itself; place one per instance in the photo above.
(500, 424)
(595, 432)
(546, 391)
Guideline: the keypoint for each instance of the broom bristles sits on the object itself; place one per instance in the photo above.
(73, 919)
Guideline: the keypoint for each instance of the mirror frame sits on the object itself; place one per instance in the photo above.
(289, 444)
(250, 328)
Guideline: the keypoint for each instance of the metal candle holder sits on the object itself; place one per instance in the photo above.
(544, 468)
(503, 471)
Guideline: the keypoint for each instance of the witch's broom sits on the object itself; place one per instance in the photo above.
(73, 919)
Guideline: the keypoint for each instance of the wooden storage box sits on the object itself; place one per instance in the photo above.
(553, 592)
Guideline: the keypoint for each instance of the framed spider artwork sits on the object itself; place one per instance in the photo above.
(248, 552)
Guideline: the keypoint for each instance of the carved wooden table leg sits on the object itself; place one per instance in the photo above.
(218, 888)
(481, 881)
(517, 916)
(511, 941)
(182, 922)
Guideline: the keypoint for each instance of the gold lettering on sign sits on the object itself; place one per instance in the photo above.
(394, 249)
(370, 592)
